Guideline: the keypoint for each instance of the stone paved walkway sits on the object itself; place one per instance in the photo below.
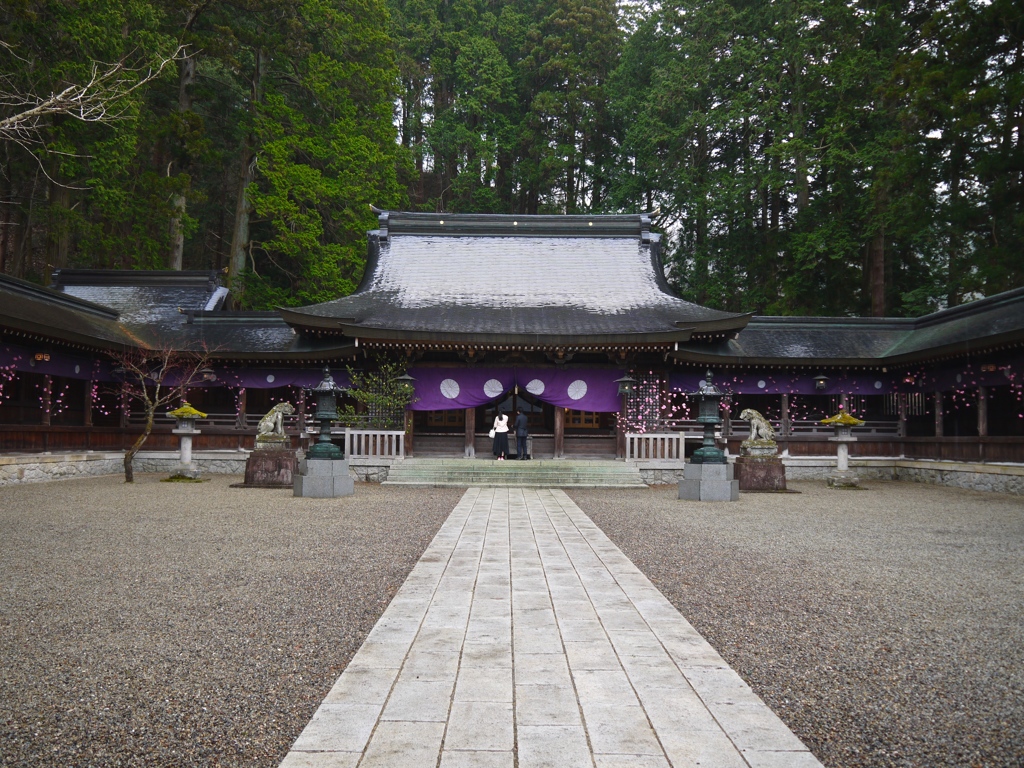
(524, 637)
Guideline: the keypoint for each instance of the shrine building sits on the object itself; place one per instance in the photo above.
(568, 318)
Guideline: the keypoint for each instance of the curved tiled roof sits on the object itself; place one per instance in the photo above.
(543, 279)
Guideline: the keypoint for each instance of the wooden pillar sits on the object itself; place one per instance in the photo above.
(982, 411)
(302, 411)
(125, 405)
(901, 405)
(559, 431)
(409, 422)
(844, 401)
(470, 446)
(937, 402)
(784, 425)
(242, 403)
(47, 400)
(87, 406)
(620, 430)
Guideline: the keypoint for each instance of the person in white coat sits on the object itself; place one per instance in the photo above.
(500, 430)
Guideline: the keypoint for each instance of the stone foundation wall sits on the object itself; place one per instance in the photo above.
(661, 476)
(964, 478)
(37, 468)
(34, 468)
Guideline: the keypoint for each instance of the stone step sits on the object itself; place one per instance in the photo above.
(534, 474)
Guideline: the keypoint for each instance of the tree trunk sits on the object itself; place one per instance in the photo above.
(129, 456)
(876, 272)
(876, 256)
(243, 208)
(186, 78)
(23, 249)
(58, 243)
(240, 230)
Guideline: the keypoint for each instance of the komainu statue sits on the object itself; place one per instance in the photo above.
(760, 429)
(271, 426)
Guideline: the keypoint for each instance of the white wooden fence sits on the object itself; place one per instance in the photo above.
(376, 443)
(654, 446)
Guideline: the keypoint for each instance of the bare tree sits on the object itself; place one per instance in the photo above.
(101, 99)
(154, 378)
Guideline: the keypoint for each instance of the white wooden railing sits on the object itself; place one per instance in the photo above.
(654, 446)
(376, 443)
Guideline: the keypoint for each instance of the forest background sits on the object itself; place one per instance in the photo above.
(829, 157)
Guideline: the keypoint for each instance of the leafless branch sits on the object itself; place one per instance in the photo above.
(102, 99)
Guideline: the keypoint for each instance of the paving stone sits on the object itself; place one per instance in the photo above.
(542, 668)
(477, 759)
(404, 745)
(553, 747)
(339, 726)
(484, 684)
(524, 637)
(480, 725)
(419, 700)
(546, 705)
(615, 729)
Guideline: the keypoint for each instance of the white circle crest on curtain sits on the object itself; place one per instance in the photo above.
(270, 378)
(493, 388)
(761, 384)
(578, 390)
(78, 369)
(535, 387)
(878, 385)
(450, 388)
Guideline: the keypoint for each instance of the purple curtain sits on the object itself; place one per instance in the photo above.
(441, 389)
(582, 389)
(589, 389)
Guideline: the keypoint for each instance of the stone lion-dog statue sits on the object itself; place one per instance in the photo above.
(271, 426)
(760, 429)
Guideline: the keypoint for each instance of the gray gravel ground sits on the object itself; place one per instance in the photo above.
(885, 626)
(187, 624)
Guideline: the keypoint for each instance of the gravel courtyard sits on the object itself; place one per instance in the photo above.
(200, 625)
(884, 626)
(170, 625)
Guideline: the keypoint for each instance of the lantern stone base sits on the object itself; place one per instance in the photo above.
(269, 468)
(188, 471)
(709, 482)
(323, 479)
(760, 473)
(842, 479)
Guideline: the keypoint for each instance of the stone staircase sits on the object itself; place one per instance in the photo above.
(538, 473)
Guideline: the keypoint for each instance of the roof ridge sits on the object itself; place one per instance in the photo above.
(33, 290)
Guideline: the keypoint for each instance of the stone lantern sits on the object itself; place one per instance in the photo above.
(186, 417)
(708, 476)
(326, 394)
(709, 401)
(843, 423)
(323, 473)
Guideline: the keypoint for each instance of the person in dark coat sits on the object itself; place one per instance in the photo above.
(520, 427)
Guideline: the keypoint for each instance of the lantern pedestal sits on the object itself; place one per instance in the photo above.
(186, 417)
(323, 479)
(843, 477)
(709, 482)
(186, 468)
(760, 473)
(270, 467)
